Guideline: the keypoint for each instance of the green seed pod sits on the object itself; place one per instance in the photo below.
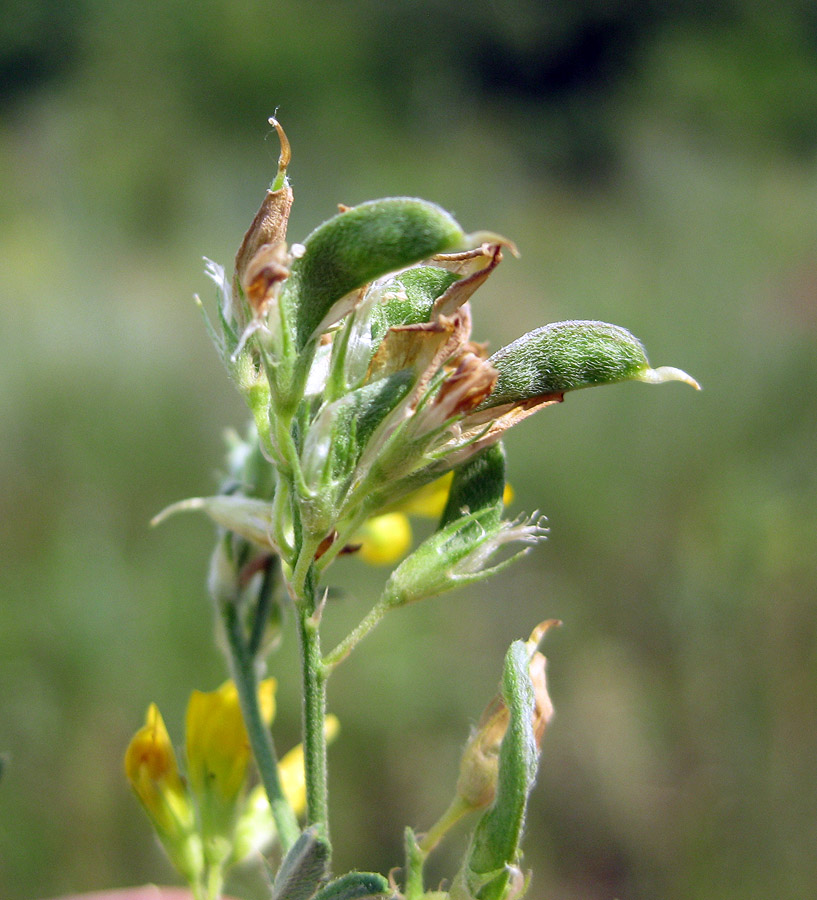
(566, 356)
(355, 886)
(357, 246)
(408, 299)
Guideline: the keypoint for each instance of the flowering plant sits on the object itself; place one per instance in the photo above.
(369, 402)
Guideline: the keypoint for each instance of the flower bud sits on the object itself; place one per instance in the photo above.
(479, 767)
(151, 768)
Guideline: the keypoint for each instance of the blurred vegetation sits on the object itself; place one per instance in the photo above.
(657, 165)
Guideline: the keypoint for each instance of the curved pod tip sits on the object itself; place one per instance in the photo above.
(663, 374)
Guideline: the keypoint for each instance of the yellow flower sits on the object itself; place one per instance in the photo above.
(151, 767)
(150, 764)
(218, 748)
(386, 538)
(201, 821)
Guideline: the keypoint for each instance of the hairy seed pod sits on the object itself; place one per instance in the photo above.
(356, 246)
(566, 356)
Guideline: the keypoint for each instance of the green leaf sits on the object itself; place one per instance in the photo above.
(478, 487)
(357, 246)
(495, 846)
(303, 868)
(566, 356)
(342, 429)
(355, 886)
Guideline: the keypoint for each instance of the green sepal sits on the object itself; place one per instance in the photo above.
(567, 356)
(357, 246)
(494, 848)
(459, 554)
(246, 516)
(478, 487)
(303, 868)
(355, 886)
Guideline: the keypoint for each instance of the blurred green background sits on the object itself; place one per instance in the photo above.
(657, 165)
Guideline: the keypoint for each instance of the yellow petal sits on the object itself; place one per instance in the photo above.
(151, 767)
(218, 749)
(384, 539)
(150, 752)
(428, 500)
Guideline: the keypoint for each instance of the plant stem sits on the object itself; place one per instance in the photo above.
(263, 605)
(243, 670)
(215, 883)
(345, 647)
(440, 828)
(314, 709)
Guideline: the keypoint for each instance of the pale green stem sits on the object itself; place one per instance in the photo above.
(443, 825)
(314, 710)
(345, 647)
(263, 605)
(215, 883)
(244, 676)
(345, 534)
(301, 572)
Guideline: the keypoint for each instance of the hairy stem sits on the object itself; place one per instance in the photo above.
(263, 604)
(242, 664)
(345, 647)
(443, 825)
(314, 709)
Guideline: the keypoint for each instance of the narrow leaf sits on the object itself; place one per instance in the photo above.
(495, 846)
(303, 868)
(250, 518)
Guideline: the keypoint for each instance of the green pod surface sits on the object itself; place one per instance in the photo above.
(357, 246)
(408, 298)
(477, 487)
(566, 356)
(355, 886)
